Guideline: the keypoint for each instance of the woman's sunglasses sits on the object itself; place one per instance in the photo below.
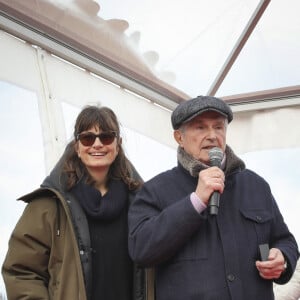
(88, 138)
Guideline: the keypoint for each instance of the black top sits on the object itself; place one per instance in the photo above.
(111, 266)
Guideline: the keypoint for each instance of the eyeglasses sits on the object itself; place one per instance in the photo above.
(88, 138)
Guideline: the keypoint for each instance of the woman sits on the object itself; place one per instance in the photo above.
(71, 241)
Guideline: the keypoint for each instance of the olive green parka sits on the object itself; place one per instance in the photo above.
(49, 253)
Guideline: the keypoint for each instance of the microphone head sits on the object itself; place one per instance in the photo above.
(215, 156)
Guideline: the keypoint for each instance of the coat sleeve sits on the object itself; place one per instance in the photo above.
(154, 226)
(25, 268)
(284, 240)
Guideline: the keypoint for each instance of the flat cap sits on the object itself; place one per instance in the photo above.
(189, 109)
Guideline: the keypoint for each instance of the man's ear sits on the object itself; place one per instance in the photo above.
(178, 137)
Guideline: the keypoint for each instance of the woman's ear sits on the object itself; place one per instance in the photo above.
(119, 144)
(77, 149)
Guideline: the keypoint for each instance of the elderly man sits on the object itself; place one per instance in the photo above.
(201, 250)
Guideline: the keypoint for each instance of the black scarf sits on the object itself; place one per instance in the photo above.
(96, 206)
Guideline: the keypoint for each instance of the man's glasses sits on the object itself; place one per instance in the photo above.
(88, 138)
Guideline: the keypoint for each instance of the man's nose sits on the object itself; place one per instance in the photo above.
(211, 133)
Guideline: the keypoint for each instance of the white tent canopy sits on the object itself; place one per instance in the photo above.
(56, 82)
(68, 28)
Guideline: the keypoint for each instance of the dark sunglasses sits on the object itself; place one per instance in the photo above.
(88, 138)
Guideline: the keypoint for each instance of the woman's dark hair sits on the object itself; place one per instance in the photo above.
(106, 120)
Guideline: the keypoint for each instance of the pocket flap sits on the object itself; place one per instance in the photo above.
(257, 215)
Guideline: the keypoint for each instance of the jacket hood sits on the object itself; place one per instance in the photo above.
(53, 183)
(56, 180)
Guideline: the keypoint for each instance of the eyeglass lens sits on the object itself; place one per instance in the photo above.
(88, 139)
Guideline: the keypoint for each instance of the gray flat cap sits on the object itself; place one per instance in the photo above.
(189, 109)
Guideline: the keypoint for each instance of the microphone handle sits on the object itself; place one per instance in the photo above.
(214, 203)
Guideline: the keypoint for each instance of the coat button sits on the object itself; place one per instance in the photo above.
(258, 218)
(230, 277)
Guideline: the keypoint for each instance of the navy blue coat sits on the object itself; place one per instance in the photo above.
(207, 257)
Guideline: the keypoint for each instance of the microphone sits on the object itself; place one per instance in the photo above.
(215, 156)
